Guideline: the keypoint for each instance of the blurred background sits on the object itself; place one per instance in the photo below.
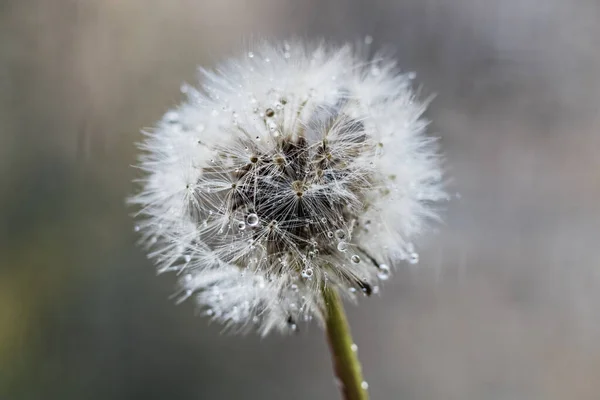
(505, 303)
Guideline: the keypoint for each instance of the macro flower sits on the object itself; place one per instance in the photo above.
(293, 168)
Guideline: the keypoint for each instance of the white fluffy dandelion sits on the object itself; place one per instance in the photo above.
(292, 169)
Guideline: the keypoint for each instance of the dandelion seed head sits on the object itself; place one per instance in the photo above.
(292, 167)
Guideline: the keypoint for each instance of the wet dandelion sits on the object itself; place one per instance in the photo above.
(294, 175)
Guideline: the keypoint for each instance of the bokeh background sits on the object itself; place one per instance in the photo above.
(505, 303)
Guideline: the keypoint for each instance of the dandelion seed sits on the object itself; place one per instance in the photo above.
(261, 181)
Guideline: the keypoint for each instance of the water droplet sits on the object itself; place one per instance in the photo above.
(286, 54)
(241, 225)
(330, 234)
(307, 273)
(352, 290)
(136, 228)
(294, 287)
(384, 272)
(252, 219)
(354, 347)
(375, 289)
(413, 258)
(355, 259)
(364, 385)
(340, 234)
(269, 112)
(311, 254)
(324, 220)
(368, 39)
(188, 258)
(188, 277)
(250, 54)
(342, 246)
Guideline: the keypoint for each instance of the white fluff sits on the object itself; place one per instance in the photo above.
(293, 167)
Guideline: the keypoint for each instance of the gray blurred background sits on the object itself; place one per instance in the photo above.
(505, 303)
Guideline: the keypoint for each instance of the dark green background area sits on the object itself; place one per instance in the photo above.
(503, 304)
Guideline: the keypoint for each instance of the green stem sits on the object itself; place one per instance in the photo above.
(343, 352)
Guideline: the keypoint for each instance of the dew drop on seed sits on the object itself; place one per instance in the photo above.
(136, 228)
(342, 246)
(340, 234)
(250, 54)
(294, 287)
(364, 385)
(188, 277)
(329, 235)
(413, 258)
(307, 273)
(252, 219)
(355, 259)
(188, 258)
(354, 347)
(375, 289)
(352, 290)
(384, 272)
(324, 220)
(241, 225)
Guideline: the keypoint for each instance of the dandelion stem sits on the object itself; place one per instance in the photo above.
(343, 352)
